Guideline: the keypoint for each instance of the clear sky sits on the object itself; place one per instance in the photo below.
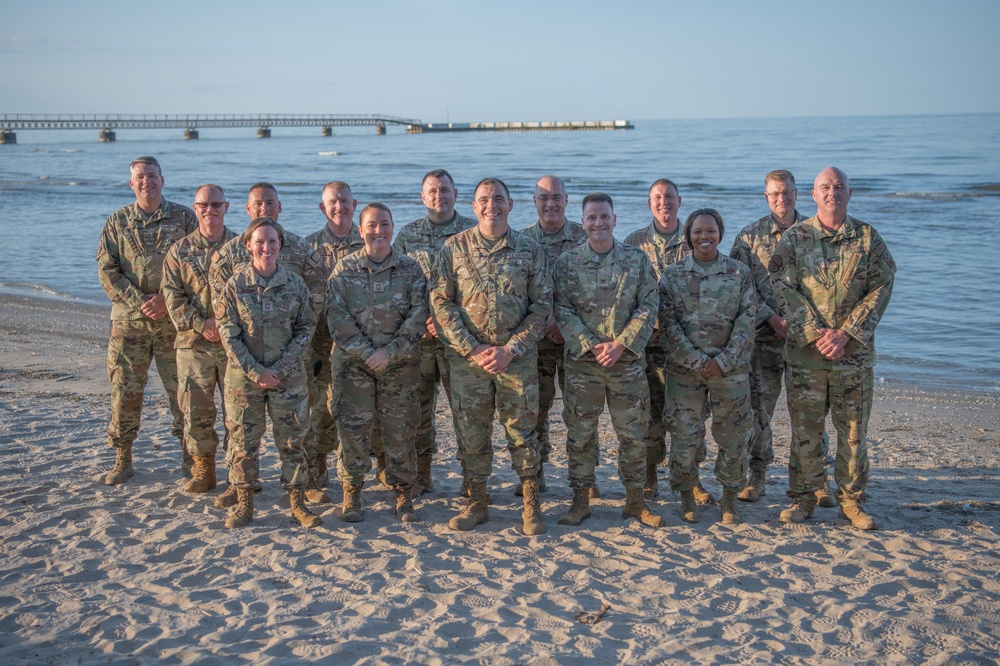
(508, 60)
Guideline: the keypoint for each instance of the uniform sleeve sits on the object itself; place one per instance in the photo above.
(303, 326)
(766, 305)
(866, 315)
(579, 338)
(636, 334)
(803, 319)
(414, 326)
(184, 316)
(227, 318)
(221, 269)
(532, 327)
(680, 350)
(346, 332)
(739, 347)
(444, 310)
(313, 275)
(109, 269)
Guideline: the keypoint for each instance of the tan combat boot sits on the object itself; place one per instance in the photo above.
(652, 487)
(824, 497)
(227, 499)
(123, 466)
(380, 463)
(202, 475)
(404, 506)
(755, 486)
(534, 523)
(798, 512)
(635, 507)
(542, 485)
(689, 507)
(425, 484)
(301, 513)
(315, 494)
(242, 513)
(702, 496)
(467, 491)
(730, 510)
(579, 510)
(854, 511)
(476, 512)
(351, 511)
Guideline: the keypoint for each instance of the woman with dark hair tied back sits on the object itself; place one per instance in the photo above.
(707, 314)
(266, 323)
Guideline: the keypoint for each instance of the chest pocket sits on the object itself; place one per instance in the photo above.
(510, 274)
(251, 313)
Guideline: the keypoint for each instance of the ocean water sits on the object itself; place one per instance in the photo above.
(929, 184)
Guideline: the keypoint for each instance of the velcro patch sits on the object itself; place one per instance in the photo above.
(775, 264)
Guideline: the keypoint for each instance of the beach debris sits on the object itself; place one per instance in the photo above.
(586, 617)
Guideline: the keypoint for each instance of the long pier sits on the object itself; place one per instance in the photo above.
(517, 126)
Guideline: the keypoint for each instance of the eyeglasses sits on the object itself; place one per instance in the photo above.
(214, 205)
(554, 198)
(788, 194)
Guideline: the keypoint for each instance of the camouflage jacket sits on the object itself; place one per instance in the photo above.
(500, 295)
(554, 245)
(186, 287)
(373, 306)
(422, 239)
(754, 246)
(265, 326)
(832, 279)
(131, 251)
(708, 313)
(662, 251)
(603, 299)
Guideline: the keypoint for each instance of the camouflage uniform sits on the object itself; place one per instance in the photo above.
(708, 313)
(322, 436)
(422, 239)
(201, 365)
(130, 266)
(495, 294)
(550, 354)
(662, 251)
(265, 323)
(754, 246)
(602, 299)
(369, 307)
(830, 279)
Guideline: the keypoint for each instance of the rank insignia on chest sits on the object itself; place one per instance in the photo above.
(378, 287)
(267, 306)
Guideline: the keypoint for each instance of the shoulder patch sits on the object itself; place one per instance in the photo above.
(775, 264)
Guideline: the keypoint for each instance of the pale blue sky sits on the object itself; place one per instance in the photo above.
(509, 60)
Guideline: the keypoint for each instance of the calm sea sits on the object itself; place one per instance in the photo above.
(929, 184)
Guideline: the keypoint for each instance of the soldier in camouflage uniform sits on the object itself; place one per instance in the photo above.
(491, 302)
(707, 319)
(337, 239)
(201, 359)
(130, 257)
(296, 256)
(834, 275)
(265, 321)
(606, 302)
(376, 309)
(422, 239)
(663, 243)
(556, 235)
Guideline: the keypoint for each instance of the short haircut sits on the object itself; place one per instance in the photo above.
(338, 185)
(146, 159)
(495, 182)
(375, 206)
(559, 180)
(263, 185)
(598, 197)
(210, 186)
(781, 176)
(437, 173)
(702, 211)
(664, 181)
(265, 221)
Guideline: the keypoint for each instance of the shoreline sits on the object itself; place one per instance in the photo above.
(143, 572)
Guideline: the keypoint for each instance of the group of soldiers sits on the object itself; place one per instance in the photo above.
(345, 336)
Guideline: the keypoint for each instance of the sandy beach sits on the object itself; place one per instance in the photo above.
(143, 573)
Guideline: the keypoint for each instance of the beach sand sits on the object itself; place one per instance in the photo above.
(144, 573)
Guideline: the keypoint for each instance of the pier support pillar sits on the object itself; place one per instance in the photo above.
(190, 133)
(263, 132)
(380, 129)
(107, 136)
(326, 130)
(8, 136)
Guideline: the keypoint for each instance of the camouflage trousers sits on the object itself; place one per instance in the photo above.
(389, 398)
(550, 370)
(513, 395)
(728, 400)
(766, 369)
(433, 370)
(200, 370)
(625, 390)
(321, 435)
(660, 408)
(246, 406)
(132, 346)
(847, 396)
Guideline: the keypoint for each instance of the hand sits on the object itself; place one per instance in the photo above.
(779, 325)
(431, 329)
(378, 361)
(210, 331)
(268, 379)
(831, 343)
(607, 353)
(553, 334)
(496, 360)
(155, 307)
(711, 369)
